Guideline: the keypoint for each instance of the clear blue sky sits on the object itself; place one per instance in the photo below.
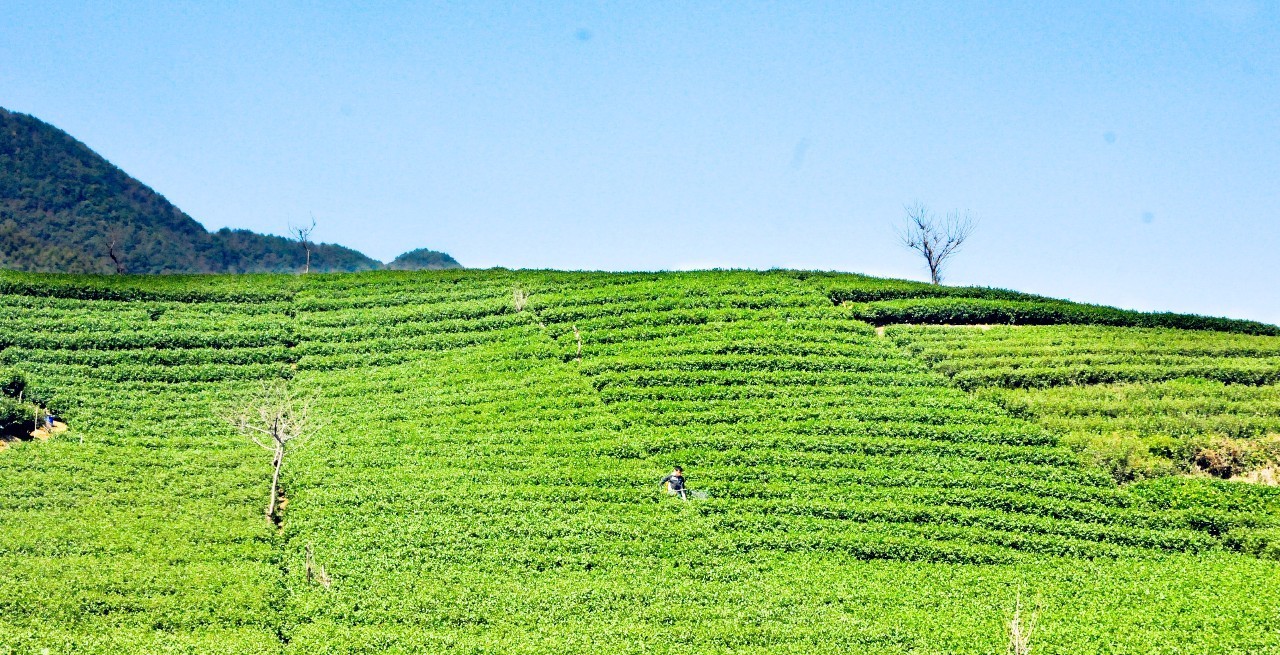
(1124, 154)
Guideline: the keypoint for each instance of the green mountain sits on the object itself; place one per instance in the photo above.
(64, 208)
(873, 466)
(423, 259)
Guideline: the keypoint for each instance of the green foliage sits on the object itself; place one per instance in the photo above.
(62, 206)
(423, 259)
(61, 203)
(1264, 543)
(16, 419)
(479, 486)
(858, 289)
(12, 383)
(1049, 356)
(989, 308)
(243, 251)
(1121, 396)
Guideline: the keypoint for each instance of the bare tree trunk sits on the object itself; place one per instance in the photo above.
(303, 234)
(275, 483)
(115, 255)
(311, 575)
(274, 420)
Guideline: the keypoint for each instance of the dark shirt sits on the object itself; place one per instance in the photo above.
(676, 480)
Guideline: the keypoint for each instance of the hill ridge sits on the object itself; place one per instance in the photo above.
(64, 208)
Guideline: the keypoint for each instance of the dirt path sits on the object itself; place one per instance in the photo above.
(39, 434)
(44, 433)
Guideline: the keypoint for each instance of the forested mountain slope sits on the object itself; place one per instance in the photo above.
(63, 206)
(485, 478)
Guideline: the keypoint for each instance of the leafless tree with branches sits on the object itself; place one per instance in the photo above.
(274, 419)
(934, 238)
(302, 234)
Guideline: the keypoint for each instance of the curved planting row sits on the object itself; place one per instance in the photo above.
(1139, 403)
(689, 370)
(979, 310)
(484, 477)
(141, 528)
(1061, 355)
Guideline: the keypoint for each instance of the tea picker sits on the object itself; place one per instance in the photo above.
(674, 483)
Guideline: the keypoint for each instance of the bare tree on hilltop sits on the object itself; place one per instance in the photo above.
(302, 233)
(936, 239)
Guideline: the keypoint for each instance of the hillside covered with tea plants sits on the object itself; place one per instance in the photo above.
(876, 466)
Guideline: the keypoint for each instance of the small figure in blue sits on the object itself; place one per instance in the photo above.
(674, 483)
(48, 421)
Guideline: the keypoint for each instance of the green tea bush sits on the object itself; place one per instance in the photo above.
(1264, 543)
(904, 290)
(976, 311)
(16, 419)
(1139, 403)
(13, 383)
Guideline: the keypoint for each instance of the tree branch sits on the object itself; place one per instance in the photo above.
(936, 240)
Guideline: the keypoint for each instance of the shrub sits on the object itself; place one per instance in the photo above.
(1224, 457)
(975, 311)
(12, 383)
(15, 418)
(1125, 457)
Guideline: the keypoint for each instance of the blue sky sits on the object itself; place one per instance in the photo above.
(1127, 154)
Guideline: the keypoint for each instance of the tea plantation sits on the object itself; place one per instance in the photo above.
(485, 475)
(1140, 402)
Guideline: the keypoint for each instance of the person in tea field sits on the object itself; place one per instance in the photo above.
(674, 483)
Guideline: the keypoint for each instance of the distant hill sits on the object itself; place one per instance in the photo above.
(62, 206)
(423, 259)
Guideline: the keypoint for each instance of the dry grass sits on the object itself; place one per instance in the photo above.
(1242, 460)
(39, 434)
(44, 433)
(1268, 477)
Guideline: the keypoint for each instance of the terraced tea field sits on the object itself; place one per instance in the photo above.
(486, 478)
(1142, 402)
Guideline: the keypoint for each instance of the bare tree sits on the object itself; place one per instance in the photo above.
(113, 251)
(302, 234)
(1021, 630)
(935, 239)
(274, 419)
(519, 299)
